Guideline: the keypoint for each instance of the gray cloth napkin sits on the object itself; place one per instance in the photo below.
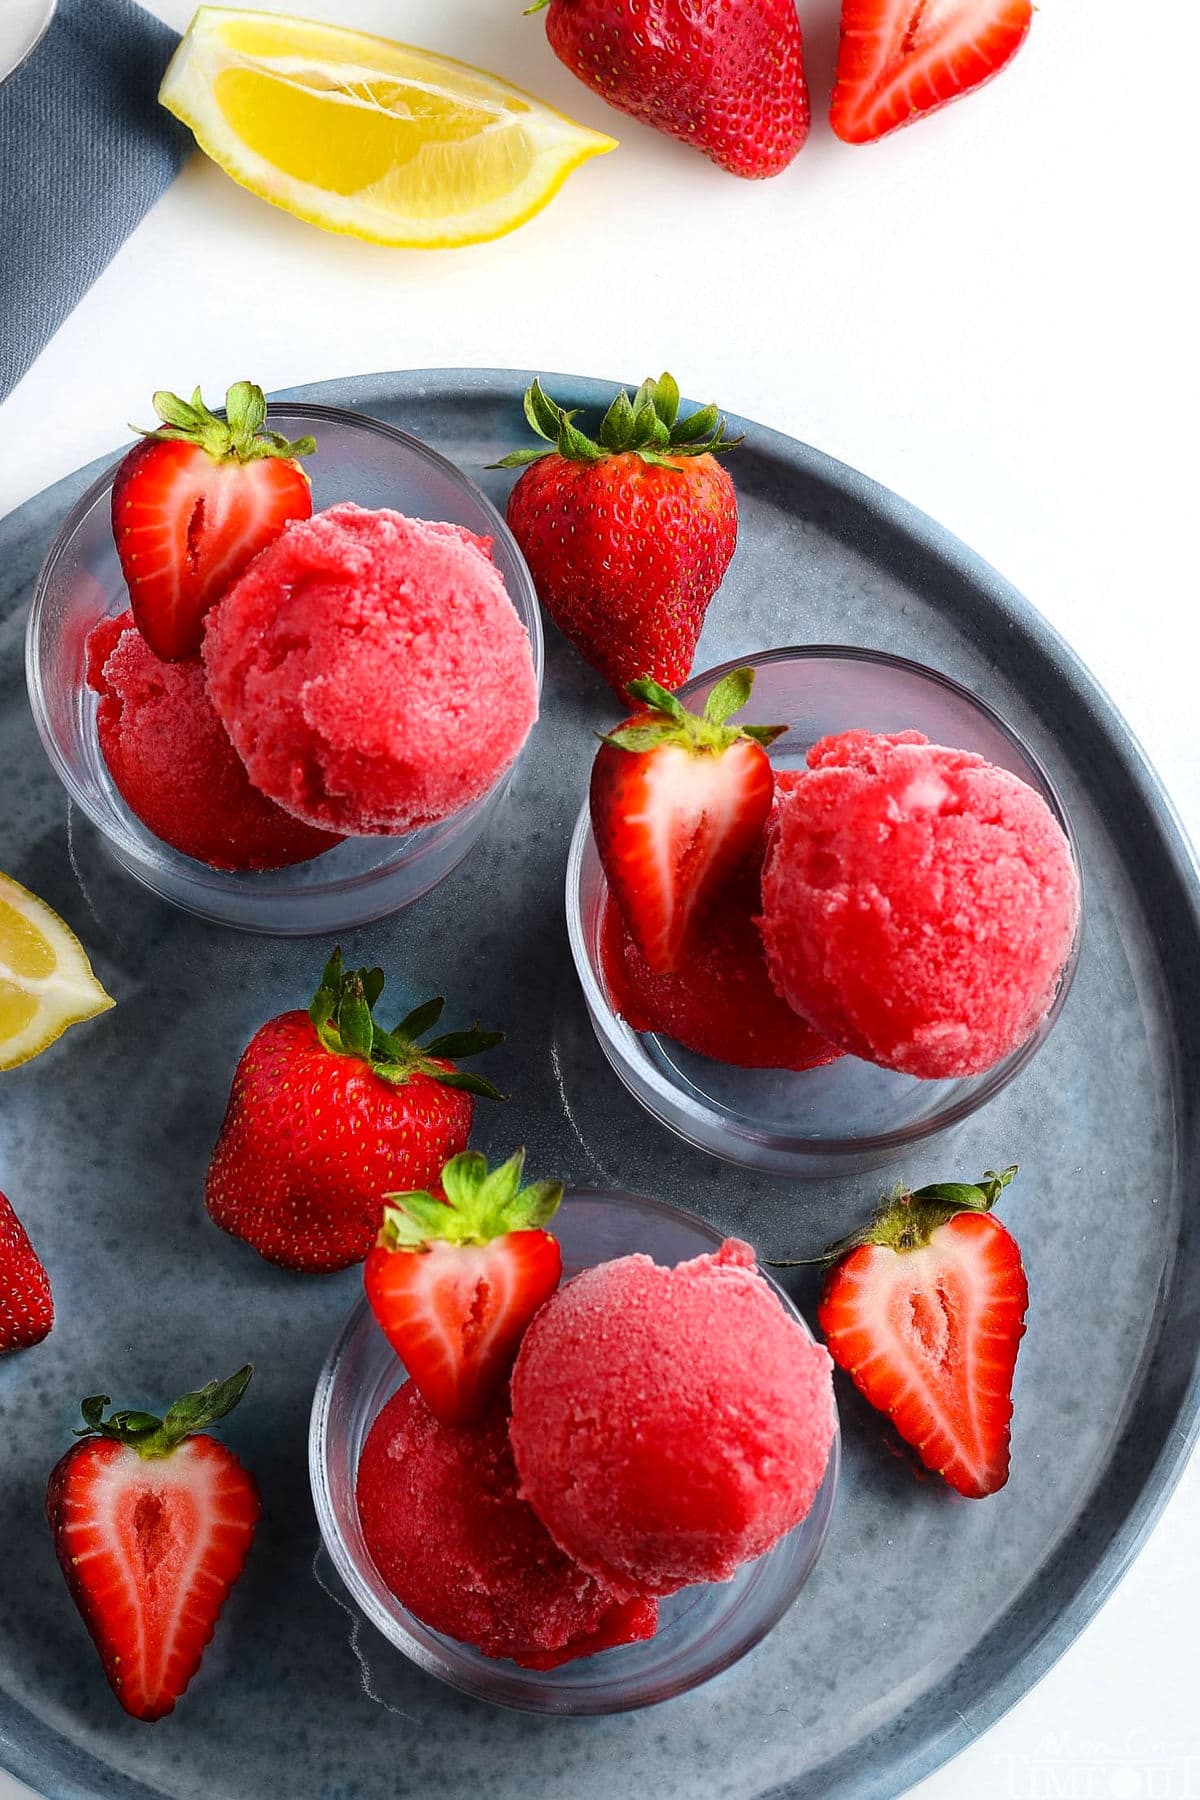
(85, 151)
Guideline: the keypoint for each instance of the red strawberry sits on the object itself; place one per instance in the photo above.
(726, 76)
(898, 61)
(455, 1278)
(152, 1524)
(26, 1303)
(925, 1310)
(627, 537)
(328, 1112)
(194, 502)
(721, 1002)
(679, 804)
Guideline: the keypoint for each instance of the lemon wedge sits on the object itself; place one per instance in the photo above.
(362, 135)
(46, 980)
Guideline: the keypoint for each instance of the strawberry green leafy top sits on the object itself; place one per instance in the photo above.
(480, 1204)
(648, 426)
(706, 731)
(241, 436)
(342, 1010)
(151, 1436)
(906, 1219)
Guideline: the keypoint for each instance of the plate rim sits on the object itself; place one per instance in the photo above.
(859, 1772)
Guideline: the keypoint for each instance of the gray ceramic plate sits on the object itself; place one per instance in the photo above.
(927, 1615)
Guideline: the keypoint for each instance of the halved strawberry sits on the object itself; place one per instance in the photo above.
(455, 1278)
(152, 1521)
(679, 804)
(194, 502)
(898, 60)
(925, 1310)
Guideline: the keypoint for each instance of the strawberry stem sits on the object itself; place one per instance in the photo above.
(480, 1204)
(151, 1436)
(241, 436)
(906, 1219)
(342, 1010)
(647, 426)
(706, 733)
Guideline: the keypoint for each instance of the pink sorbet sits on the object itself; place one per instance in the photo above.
(670, 1424)
(445, 1528)
(372, 671)
(173, 764)
(919, 905)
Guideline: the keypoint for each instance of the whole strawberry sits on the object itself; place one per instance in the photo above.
(627, 536)
(194, 502)
(152, 1520)
(26, 1304)
(329, 1112)
(726, 76)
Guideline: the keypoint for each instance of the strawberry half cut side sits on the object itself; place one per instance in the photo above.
(152, 1520)
(679, 805)
(194, 502)
(455, 1278)
(925, 1310)
(901, 59)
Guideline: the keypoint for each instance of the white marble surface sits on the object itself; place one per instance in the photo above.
(992, 313)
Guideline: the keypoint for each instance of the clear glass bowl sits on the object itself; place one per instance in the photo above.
(850, 1114)
(702, 1630)
(80, 582)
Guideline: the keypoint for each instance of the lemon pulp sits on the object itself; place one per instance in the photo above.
(46, 980)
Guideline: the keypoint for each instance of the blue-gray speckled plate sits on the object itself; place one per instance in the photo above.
(928, 1615)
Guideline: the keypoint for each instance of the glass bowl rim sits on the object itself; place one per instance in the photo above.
(672, 1100)
(111, 826)
(388, 1624)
